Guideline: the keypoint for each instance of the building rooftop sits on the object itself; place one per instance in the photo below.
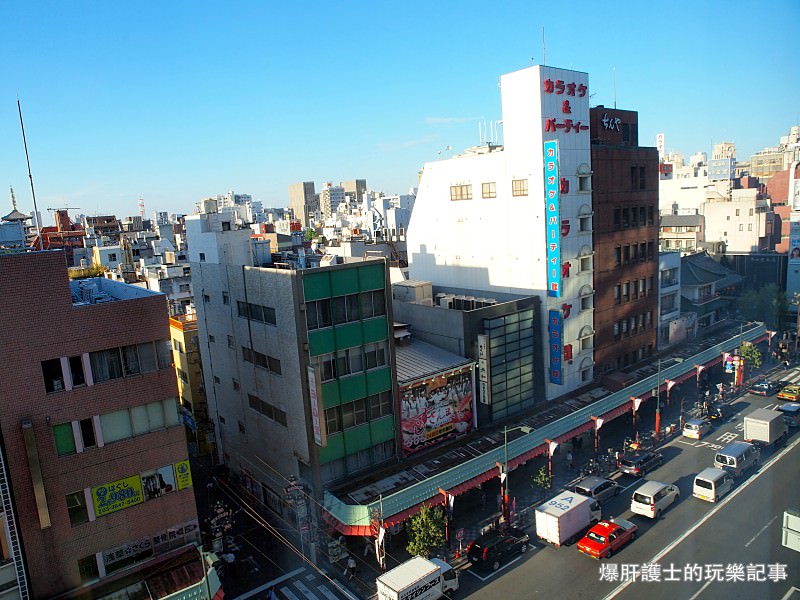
(98, 290)
(419, 359)
(701, 269)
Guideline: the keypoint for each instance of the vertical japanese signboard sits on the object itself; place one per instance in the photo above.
(183, 474)
(552, 219)
(313, 399)
(483, 369)
(555, 339)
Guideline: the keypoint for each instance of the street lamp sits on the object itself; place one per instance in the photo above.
(504, 470)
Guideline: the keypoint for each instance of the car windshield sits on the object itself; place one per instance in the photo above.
(596, 537)
(722, 459)
(641, 498)
(703, 483)
(627, 462)
(582, 491)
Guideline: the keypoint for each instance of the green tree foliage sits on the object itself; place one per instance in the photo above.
(310, 233)
(751, 355)
(766, 304)
(425, 531)
(542, 479)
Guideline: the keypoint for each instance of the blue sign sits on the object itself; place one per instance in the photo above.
(552, 218)
(188, 419)
(555, 340)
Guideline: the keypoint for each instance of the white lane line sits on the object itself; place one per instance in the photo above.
(671, 546)
(700, 591)
(760, 531)
(327, 593)
(269, 584)
(306, 592)
(289, 594)
(493, 573)
(790, 592)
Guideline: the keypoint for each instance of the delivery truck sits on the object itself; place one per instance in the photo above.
(764, 426)
(565, 518)
(418, 579)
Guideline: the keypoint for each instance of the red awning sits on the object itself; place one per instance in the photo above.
(526, 456)
(474, 482)
(410, 512)
(345, 529)
(616, 412)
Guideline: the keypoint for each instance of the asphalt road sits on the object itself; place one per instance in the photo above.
(744, 529)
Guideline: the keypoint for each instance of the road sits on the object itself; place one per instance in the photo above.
(742, 529)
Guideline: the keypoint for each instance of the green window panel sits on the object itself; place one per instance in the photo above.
(375, 330)
(316, 286)
(330, 394)
(65, 440)
(378, 380)
(372, 277)
(333, 450)
(357, 438)
(382, 429)
(348, 335)
(352, 387)
(321, 341)
(344, 281)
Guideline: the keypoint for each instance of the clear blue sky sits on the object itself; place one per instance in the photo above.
(176, 101)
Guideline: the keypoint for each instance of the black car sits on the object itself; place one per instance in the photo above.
(639, 463)
(497, 545)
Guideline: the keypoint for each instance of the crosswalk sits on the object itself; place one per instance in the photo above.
(301, 584)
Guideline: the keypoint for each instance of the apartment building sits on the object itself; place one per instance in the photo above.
(95, 485)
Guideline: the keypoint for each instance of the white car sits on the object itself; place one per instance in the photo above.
(696, 428)
(653, 498)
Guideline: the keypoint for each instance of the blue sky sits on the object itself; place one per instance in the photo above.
(176, 101)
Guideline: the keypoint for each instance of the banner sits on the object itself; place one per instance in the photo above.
(436, 409)
(552, 214)
(184, 474)
(555, 340)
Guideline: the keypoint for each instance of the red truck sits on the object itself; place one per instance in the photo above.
(607, 537)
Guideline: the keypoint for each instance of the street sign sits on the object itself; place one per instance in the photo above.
(460, 534)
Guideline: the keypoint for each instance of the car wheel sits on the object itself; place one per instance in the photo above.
(642, 473)
(658, 514)
(524, 548)
(610, 553)
(633, 536)
(495, 565)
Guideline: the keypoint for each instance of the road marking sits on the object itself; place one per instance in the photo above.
(306, 592)
(269, 584)
(289, 594)
(727, 438)
(789, 592)
(700, 591)
(327, 593)
(681, 441)
(760, 531)
(493, 573)
(671, 546)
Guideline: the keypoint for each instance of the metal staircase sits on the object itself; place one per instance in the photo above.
(15, 545)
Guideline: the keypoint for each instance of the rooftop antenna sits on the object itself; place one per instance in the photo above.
(544, 49)
(615, 88)
(30, 176)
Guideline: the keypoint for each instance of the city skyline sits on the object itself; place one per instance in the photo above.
(122, 103)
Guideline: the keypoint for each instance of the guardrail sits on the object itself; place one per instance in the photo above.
(425, 490)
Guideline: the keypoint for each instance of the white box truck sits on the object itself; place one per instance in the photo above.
(418, 579)
(764, 426)
(565, 518)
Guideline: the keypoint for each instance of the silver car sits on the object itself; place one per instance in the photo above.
(599, 488)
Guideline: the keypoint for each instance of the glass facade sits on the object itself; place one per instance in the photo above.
(511, 359)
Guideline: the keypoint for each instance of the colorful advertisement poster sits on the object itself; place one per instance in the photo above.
(555, 339)
(436, 409)
(794, 242)
(116, 495)
(552, 218)
(183, 474)
(313, 399)
(157, 482)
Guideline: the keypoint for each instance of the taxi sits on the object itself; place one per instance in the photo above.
(607, 537)
(790, 392)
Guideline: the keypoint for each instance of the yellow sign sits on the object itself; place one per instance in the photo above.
(184, 474)
(114, 496)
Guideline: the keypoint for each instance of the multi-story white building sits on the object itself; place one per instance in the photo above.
(740, 223)
(534, 191)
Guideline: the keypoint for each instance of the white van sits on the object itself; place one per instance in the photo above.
(653, 498)
(737, 457)
(712, 484)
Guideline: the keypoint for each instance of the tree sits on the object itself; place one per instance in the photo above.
(751, 355)
(543, 479)
(425, 530)
(309, 234)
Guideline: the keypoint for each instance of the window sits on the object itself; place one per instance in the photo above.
(651, 284)
(226, 226)
(106, 364)
(617, 293)
(318, 314)
(626, 291)
(333, 420)
(226, 298)
(586, 302)
(651, 250)
(519, 187)
(380, 405)
(53, 376)
(257, 312)
(206, 299)
(87, 433)
(217, 380)
(489, 190)
(584, 182)
(616, 330)
(261, 360)
(749, 227)
(231, 342)
(375, 355)
(642, 287)
(76, 507)
(87, 566)
(354, 414)
(272, 412)
(112, 257)
(634, 178)
(642, 216)
(461, 192)
(741, 226)
(586, 264)
(184, 287)
(617, 218)
(751, 212)
(650, 219)
(116, 426)
(211, 339)
(64, 438)
(235, 385)
(634, 252)
(584, 223)
(76, 370)
(641, 179)
(618, 256)
(327, 367)
(737, 212)
(202, 257)
(345, 309)
(634, 217)
(626, 254)
(182, 375)
(625, 218)
(373, 304)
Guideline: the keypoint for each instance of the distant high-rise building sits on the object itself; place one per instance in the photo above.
(356, 189)
(303, 202)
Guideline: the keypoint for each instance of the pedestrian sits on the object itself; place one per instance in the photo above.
(271, 595)
(483, 498)
(569, 461)
(351, 568)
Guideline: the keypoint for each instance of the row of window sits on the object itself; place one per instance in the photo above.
(631, 253)
(261, 360)
(93, 432)
(624, 292)
(272, 412)
(106, 365)
(633, 325)
(688, 245)
(358, 412)
(519, 187)
(638, 181)
(345, 309)
(257, 312)
(634, 216)
(357, 461)
(351, 360)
